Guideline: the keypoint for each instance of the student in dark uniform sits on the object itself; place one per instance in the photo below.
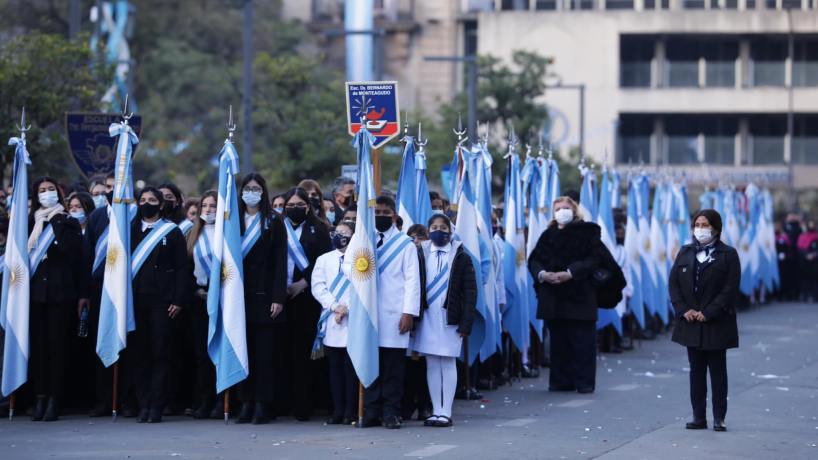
(307, 238)
(160, 289)
(57, 291)
(264, 247)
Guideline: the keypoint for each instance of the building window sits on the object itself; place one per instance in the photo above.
(693, 4)
(768, 55)
(767, 135)
(720, 63)
(719, 139)
(682, 139)
(682, 62)
(650, 4)
(514, 4)
(751, 4)
(546, 5)
(582, 4)
(729, 4)
(805, 140)
(805, 63)
(634, 139)
(635, 55)
(619, 4)
(790, 4)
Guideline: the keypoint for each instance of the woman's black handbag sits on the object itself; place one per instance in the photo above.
(608, 280)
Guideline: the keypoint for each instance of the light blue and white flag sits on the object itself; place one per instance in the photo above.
(606, 224)
(482, 174)
(515, 268)
(412, 200)
(616, 195)
(587, 197)
(360, 265)
(423, 202)
(226, 332)
(534, 190)
(647, 264)
(554, 190)
(633, 250)
(658, 253)
(116, 316)
(14, 310)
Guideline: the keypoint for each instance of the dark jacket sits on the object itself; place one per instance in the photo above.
(461, 295)
(265, 274)
(58, 279)
(164, 278)
(718, 288)
(575, 248)
(316, 242)
(97, 223)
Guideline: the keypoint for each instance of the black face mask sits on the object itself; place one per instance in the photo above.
(494, 229)
(316, 204)
(620, 240)
(340, 241)
(110, 197)
(383, 223)
(440, 238)
(297, 215)
(148, 210)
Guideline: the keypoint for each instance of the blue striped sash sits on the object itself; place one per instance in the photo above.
(185, 226)
(101, 249)
(141, 253)
(294, 248)
(438, 285)
(204, 253)
(390, 250)
(251, 235)
(38, 253)
(337, 289)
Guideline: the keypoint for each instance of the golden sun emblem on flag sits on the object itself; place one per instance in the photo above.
(112, 257)
(16, 275)
(520, 257)
(647, 245)
(363, 264)
(228, 273)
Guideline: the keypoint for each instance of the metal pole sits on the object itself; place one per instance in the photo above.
(73, 18)
(471, 84)
(790, 115)
(247, 99)
(582, 120)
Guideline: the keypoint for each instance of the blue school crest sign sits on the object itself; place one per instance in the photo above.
(92, 147)
(375, 104)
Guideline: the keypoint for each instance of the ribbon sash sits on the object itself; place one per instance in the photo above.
(294, 248)
(337, 289)
(251, 235)
(38, 253)
(203, 252)
(141, 253)
(185, 226)
(438, 285)
(390, 250)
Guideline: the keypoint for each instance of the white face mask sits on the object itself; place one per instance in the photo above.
(564, 216)
(48, 199)
(100, 201)
(208, 218)
(251, 198)
(703, 235)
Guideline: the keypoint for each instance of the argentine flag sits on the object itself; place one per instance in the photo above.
(14, 317)
(658, 254)
(606, 225)
(633, 250)
(360, 265)
(648, 267)
(226, 333)
(116, 316)
(537, 223)
(406, 198)
(515, 268)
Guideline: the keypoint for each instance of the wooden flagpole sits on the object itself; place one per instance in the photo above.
(114, 392)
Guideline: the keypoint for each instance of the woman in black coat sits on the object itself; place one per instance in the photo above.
(704, 286)
(57, 288)
(303, 310)
(265, 292)
(566, 255)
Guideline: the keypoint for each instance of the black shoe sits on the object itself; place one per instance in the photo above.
(526, 372)
(246, 413)
(155, 416)
(335, 420)
(218, 409)
(201, 412)
(370, 422)
(127, 411)
(391, 422)
(100, 410)
(143, 416)
(51, 411)
(349, 420)
(260, 416)
(585, 390)
(718, 425)
(39, 409)
(697, 425)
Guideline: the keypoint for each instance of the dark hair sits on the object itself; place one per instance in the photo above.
(713, 217)
(340, 182)
(434, 196)
(155, 192)
(264, 206)
(442, 217)
(193, 236)
(85, 200)
(176, 214)
(300, 193)
(572, 194)
(419, 230)
(35, 202)
(384, 200)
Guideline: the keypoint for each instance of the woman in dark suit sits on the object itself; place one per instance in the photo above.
(307, 233)
(55, 240)
(566, 255)
(265, 291)
(704, 286)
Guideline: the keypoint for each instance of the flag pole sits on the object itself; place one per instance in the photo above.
(114, 392)
(377, 178)
(226, 406)
(360, 404)
(12, 400)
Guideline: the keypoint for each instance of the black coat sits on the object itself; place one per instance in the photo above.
(58, 279)
(718, 289)
(97, 223)
(316, 242)
(574, 248)
(461, 295)
(265, 274)
(164, 278)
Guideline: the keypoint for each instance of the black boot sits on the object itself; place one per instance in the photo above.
(246, 413)
(260, 416)
(217, 412)
(51, 412)
(39, 409)
(202, 412)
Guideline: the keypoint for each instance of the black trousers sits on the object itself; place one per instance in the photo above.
(343, 382)
(416, 389)
(204, 375)
(573, 354)
(302, 317)
(103, 377)
(383, 397)
(700, 362)
(266, 363)
(150, 357)
(47, 335)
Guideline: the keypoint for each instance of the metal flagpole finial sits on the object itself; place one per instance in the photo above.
(22, 126)
(231, 127)
(512, 140)
(485, 138)
(125, 114)
(460, 131)
(550, 151)
(540, 147)
(405, 123)
(421, 141)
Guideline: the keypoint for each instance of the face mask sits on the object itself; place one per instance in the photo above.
(620, 241)
(563, 216)
(251, 199)
(438, 212)
(703, 235)
(148, 210)
(297, 215)
(279, 210)
(331, 216)
(208, 218)
(79, 215)
(48, 199)
(316, 204)
(494, 229)
(109, 197)
(340, 241)
(440, 238)
(383, 223)
(100, 201)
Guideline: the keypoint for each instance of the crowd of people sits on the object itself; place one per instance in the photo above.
(297, 305)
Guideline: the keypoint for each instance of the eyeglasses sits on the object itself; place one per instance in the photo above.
(253, 189)
(296, 205)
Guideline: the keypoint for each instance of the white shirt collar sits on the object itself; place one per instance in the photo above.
(444, 249)
(147, 225)
(388, 234)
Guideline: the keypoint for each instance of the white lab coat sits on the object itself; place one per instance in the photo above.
(398, 293)
(323, 274)
(435, 336)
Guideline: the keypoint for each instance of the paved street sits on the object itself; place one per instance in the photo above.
(638, 411)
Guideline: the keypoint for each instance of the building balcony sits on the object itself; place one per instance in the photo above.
(717, 100)
(389, 15)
